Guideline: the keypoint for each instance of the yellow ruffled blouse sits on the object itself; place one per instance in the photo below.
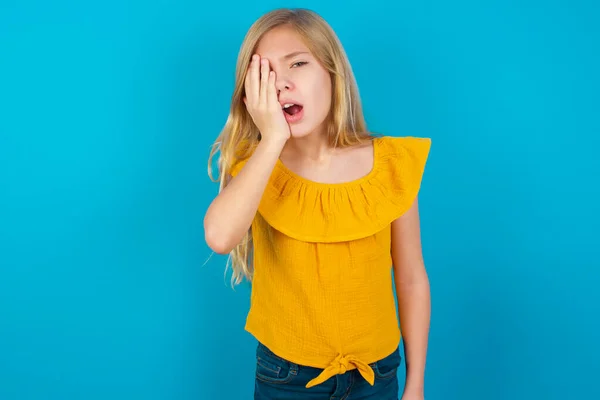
(322, 286)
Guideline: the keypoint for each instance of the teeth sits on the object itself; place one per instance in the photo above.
(288, 105)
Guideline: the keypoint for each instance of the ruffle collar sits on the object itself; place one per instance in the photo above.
(323, 212)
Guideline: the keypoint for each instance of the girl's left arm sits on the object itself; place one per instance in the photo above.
(414, 301)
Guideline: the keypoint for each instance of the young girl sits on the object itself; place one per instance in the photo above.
(320, 215)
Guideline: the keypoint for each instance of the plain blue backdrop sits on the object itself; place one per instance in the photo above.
(107, 112)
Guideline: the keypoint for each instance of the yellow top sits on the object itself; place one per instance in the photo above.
(322, 287)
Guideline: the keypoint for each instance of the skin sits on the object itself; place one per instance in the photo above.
(414, 298)
(301, 78)
(284, 70)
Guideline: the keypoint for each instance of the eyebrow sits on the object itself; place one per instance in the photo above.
(294, 54)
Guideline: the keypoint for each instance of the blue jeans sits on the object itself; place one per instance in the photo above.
(279, 379)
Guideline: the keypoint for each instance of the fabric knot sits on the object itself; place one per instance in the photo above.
(340, 365)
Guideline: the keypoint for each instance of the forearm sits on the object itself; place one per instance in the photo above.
(414, 309)
(230, 214)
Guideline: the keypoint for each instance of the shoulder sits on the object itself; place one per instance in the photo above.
(395, 146)
(402, 159)
(400, 168)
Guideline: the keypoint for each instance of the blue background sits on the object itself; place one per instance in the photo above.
(107, 112)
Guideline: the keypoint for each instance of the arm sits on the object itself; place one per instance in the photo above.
(230, 214)
(412, 290)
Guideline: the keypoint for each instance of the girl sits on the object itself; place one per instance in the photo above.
(319, 214)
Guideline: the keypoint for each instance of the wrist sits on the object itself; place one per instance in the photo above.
(273, 144)
(415, 381)
(414, 387)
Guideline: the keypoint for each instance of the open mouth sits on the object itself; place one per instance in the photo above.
(292, 109)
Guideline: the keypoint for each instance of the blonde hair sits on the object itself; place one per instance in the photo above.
(345, 125)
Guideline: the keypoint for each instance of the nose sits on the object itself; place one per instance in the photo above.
(282, 83)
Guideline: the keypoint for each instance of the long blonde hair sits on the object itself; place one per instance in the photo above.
(346, 125)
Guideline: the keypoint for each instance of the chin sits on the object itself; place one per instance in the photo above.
(304, 129)
(300, 131)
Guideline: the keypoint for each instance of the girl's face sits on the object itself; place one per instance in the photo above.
(301, 80)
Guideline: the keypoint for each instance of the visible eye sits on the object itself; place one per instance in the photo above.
(299, 63)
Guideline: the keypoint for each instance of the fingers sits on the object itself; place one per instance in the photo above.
(252, 81)
(272, 93)
(264, 81)
(260, 84)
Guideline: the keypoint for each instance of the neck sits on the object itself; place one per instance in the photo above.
(313, 147)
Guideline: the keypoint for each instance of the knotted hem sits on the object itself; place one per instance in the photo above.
(340, 365)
